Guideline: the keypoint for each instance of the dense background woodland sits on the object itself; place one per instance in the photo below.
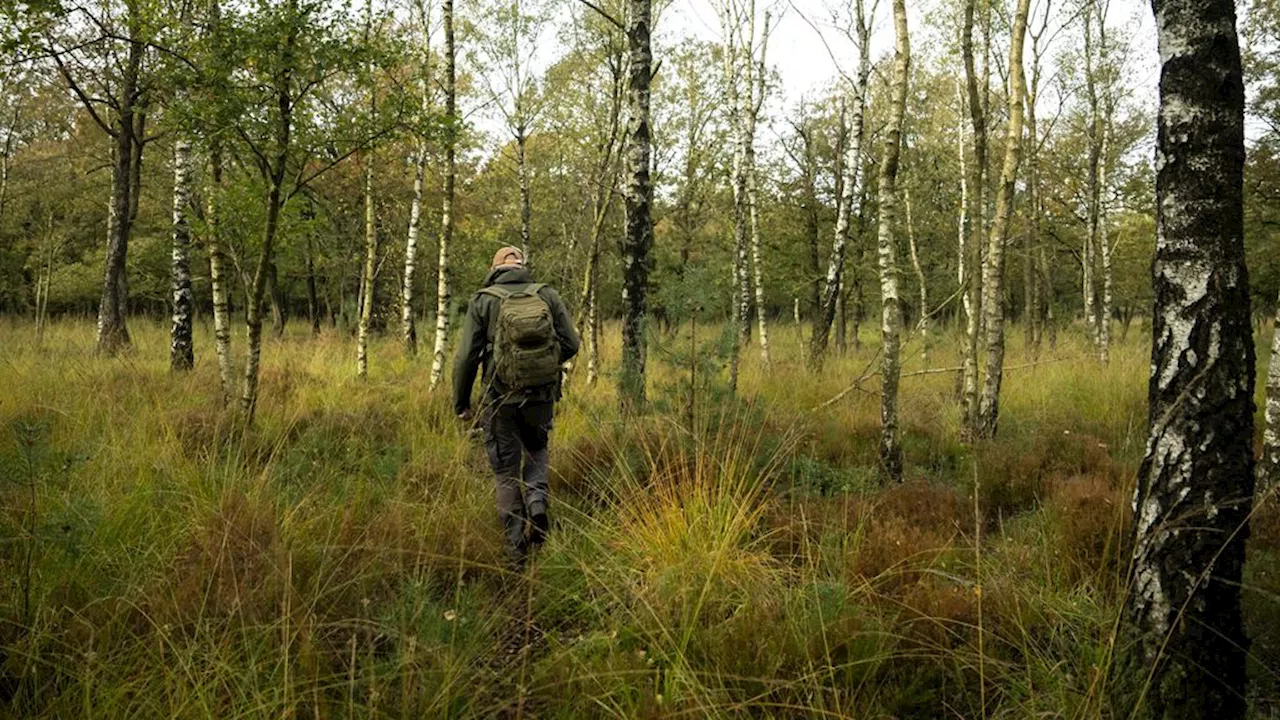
(861, 426)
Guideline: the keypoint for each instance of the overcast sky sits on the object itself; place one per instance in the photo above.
(808, 53)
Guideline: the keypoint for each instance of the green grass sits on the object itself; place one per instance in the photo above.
(342, 558)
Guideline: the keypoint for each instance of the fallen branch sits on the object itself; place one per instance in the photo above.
(868, 374)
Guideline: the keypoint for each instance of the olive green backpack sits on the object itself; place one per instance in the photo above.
(526, 351)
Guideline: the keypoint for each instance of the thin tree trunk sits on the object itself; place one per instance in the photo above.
(276, 295)
(408, 325)
(842, 316)
(638, 194)
(891, 311)
(923, 323)
(313, 299)
(113, 333)
(135, 194)
(367, 275)
(977, 213)
(443, 296)
(1033, 266)
(274, 171)
(757, 264)
(852, 161)
(593, 331)
(811, 220)
(1029, 280)
(181, 351)
(755, 98)
(253, 312)
(408, 314)
(1269, 465)
(993, 278)
(962, 225)
(1089, 284)
(217, 275)
(526, 202)
(741, 313)
(5, 158)
(1195, 488)
(1104, 248)
(1050, 323)
(44, 280)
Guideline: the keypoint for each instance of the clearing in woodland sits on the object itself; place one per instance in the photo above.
(716, 557)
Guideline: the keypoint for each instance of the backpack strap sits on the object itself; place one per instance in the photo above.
(502, 292)
(497, 291)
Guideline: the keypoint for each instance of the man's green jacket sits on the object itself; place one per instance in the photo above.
(476, 343)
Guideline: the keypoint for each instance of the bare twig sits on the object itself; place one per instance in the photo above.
(600, 11)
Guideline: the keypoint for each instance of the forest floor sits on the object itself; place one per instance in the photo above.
(342, 557)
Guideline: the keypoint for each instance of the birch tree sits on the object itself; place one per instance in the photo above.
(1195, 486)
(1039, 290)
(977, 211)
(891, 311)
(181, 351)
(408, 309)
(368, 276)
(1107, 109)
(451, 121)
(1100, 93)
(290, 49)
(217, 85)
(731, 22)
(993, 275)
(597, 116)
(922, 325)
(805, 157)
(638, 195)
(217, 272)
(101, 53)
(848, 196)
(508, 47)
(754, 67)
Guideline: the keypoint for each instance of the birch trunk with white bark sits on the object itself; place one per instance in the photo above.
(367, 274)
(526, 201)
(891, 311)
(755, 72)
(993, 277)
(638, 195)
(1195, 487)
(181, 350)
(408, 291)
(217, 275)
(832, 298)
(1269, 465)
(443, 296)
(977, 214)
(1104, 248)
(923, 323)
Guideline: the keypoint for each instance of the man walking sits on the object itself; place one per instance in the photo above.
(521, 332)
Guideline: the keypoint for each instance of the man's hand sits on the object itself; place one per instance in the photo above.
(467, 415)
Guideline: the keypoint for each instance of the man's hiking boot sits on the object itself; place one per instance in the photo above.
(539, 525)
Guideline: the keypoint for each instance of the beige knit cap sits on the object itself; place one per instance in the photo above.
(508, 256)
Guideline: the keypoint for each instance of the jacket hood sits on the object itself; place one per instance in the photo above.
(508, 275)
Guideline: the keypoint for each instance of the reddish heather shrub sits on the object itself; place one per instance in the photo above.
(232, 564)
(940, 611)
(1089, 519)
(1014, 475)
